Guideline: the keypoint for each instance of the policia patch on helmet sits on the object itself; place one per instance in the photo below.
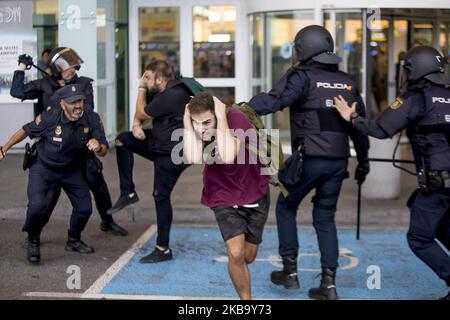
(396, 104)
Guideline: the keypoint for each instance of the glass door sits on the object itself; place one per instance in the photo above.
(272, 54)
(444, 43)
(346, 28)
(214, 53)
(159, 36)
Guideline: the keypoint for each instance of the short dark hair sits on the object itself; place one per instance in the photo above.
(161, 69)
(201, 102)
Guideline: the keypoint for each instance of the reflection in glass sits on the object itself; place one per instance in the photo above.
(159, 36)
(225, 94)
(214, 36)
(444, 44)
(257, 42)
(101, 43)
(282, 28)
(423, 34)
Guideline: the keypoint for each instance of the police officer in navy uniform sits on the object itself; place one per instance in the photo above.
(66, 134)
(424, 111)
(308, 89)
(64, 62)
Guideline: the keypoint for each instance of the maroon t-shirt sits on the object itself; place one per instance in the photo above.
(234, 184)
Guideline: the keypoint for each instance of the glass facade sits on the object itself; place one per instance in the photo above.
(271, 45)
(159, 36)
(214, 35)
(374, 60)
(111, 26)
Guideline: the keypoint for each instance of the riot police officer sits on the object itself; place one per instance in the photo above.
(321, 135)
(66, 133)
(423, 109)
(64, 62)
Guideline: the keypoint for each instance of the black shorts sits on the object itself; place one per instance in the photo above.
(234, 221)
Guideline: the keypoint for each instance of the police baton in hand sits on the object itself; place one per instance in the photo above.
(27, 60)
(358, 213)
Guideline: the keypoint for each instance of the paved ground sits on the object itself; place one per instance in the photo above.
(18, 278)
(200, 269)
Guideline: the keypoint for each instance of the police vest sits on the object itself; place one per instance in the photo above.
(315, 120)
(432, 134)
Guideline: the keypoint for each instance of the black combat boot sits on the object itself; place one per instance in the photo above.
(33, 249)
(327, 289)
(288, 276)
(76, 245)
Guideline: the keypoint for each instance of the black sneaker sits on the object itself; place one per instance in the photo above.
(157, 256)
(33, 250)
(77, 245)
(113, 228)
(123, 201)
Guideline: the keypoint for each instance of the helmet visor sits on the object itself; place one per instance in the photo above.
(66, 59)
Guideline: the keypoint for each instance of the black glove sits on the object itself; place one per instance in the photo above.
(26, 60)
(362, 170)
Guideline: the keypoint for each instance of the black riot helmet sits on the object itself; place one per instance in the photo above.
(315, 42)
(425, 62)
(63, 58)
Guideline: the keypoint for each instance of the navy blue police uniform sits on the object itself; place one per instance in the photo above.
(424, 111)
(60, 155)
(309, 90)
(44, 90)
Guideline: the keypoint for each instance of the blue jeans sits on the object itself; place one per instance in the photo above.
(325, 176)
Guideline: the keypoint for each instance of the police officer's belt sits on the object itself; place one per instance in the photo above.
(438, 180)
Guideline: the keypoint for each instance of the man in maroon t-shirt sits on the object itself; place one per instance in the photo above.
(233, 185)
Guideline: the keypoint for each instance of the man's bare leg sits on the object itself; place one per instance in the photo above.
(250, 252)
(237, 266)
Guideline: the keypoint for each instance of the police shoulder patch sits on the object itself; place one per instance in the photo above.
(397, 103)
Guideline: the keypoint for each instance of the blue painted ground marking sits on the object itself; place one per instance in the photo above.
(199, 268)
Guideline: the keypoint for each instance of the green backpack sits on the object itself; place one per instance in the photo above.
(191, 84)
(265, 151)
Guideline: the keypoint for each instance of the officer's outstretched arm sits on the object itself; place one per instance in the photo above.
(286, 91)
(367, 126)
(15, 139)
